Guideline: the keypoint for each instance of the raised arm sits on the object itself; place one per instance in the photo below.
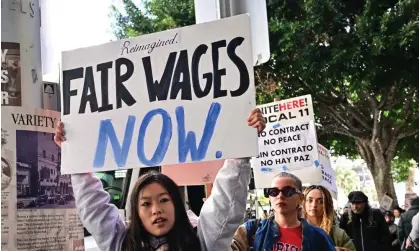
(223, 212)
(98, 216)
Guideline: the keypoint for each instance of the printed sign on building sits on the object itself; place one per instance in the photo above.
(10, 75)
(38, 208)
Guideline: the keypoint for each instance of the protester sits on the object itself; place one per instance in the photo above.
(366, 226)
(158, 217)
(413, 240)
(389, 217)
(318, 211)
(284, 231)
(264, 215)
(405, 223)
(397, 211)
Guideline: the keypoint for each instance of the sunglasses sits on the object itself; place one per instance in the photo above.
(287, 191)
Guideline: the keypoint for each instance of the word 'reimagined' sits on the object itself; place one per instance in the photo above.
(180, 78)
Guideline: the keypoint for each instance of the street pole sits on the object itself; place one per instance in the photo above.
(210, 10)
(21, 79)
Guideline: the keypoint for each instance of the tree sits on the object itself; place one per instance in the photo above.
(157, 15)
(347, 179)
(358, 59)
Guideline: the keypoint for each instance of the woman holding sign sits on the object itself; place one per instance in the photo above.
(318, 211)
(158, 216)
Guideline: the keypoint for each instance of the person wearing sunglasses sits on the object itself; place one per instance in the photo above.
(283, 231)
(318, 211)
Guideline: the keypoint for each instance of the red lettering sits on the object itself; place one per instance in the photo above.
(282, 106)
(302, 103)
(291, 104)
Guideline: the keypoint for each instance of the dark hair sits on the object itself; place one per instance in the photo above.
(414, 202)
(399, 209)
(180, 237)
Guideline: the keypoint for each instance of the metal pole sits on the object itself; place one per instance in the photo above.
(225, 8)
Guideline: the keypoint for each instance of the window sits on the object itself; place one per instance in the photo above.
(116, 183)
(44, 154)
(52, 157)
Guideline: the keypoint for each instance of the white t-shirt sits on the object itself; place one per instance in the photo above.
(414, 234)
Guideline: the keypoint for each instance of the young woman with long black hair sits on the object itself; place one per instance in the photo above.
(158, 218)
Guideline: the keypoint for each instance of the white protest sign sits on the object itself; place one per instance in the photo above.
(288, 143)
(328, 174)
(385, 203)
(172, 97)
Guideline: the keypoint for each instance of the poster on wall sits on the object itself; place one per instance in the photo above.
(38, 210)
(289, 142)
(172, 97)
(10, 75)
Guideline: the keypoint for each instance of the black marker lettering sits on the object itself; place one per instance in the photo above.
(199, 93)
(218, 72)
(89, 86)
(122, 94)
(241, 66)
(103, 68)
(181, 72)
(69, 75)
(156, 90)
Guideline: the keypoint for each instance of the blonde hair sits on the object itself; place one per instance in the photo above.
(328, 212)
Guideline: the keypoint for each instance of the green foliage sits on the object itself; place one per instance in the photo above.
(347, 179)
(358, 59)
(156, 15)
(401, 168)
(355, 58)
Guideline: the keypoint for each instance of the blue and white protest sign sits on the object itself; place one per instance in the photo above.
(328, 174)
(289, 142)
(177, 96)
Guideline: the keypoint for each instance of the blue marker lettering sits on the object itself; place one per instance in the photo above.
(165, 137)
(107, 133)
(187, 142)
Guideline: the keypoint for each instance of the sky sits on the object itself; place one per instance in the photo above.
(68, 25)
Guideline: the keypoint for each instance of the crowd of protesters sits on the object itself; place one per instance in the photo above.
(301, 219)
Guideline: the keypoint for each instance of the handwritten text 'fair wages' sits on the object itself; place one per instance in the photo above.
(180, 80)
